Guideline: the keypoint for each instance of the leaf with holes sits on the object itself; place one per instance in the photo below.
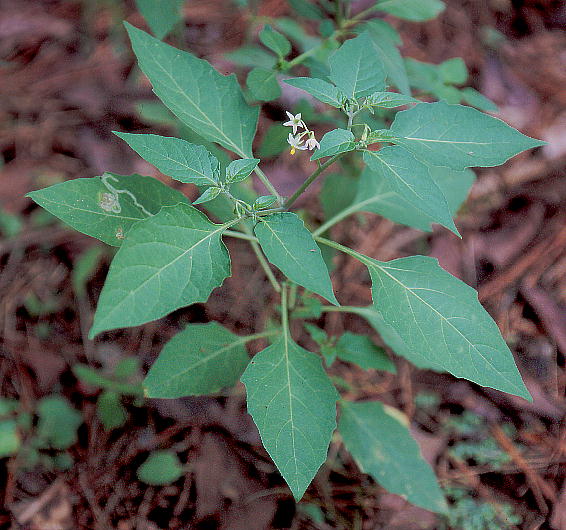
(209, 103)
(171, 260)
(201, 359)
(293, 404)
(290, 246)
(106, 207)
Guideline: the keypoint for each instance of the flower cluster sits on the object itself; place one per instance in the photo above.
(296, 140)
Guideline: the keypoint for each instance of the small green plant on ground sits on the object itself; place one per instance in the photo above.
(411, 166)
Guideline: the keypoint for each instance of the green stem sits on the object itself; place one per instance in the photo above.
(342, 248)
(263, 177)
(357, 18)
(239, 235)
(311, 179)
(262, 335)
(261, 258)
(336, 219)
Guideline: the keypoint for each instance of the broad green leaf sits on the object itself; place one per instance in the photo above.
(379, 440)
(274, 142)
(252, 56)
(201, 359)
(453, 71)
(335, 142)
(290, 247)
(208, 194)
(360, 350)
(293, 404)
(263, 84)
(106, 207)
(325, 343)
(161, 15)
(171, 260)
(411, 180)
(378, 195)
(209, 103)
(337, 193)
(306, 9)
(319, 89)
(393, 340)
(175, 158)
(440, 316)
(110, 410)
(381, 29)
(386, 49)
(58, 423)
(239, 170)
(275, 41)
(356, 69)
(478, 100)
(390, 100)
(414, 10)
(160, 468)
(457, 137)
(10, 441)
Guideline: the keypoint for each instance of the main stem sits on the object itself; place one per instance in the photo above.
(310, 180)
(266, 182)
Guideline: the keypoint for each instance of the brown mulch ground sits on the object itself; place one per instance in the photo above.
(67, 80)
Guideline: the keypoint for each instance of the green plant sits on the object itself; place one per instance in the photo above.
(41, 438)
(410, 166)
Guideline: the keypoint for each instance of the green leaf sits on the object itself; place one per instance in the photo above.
(239, 170)
(325, 343)
(84, 268)
(293, 404)
(110, 410)
(335, 142)
(265, 201)
(386, 49)
(390, 100)
(10, 441)
(378, 438)
(251, 55)
(201, 359)
(337, 193)
(290, 246)
(160, 468)
(171, 260)
(393, 340)
(161, 15)
(453, 71)
(413, 10)
(478, 100)
(411, 179)
(319, 89)
(356, 69)
(275, 41)
(305, 9)
(58, 423)
(209, 103)
(209, 194)
(457, 137)
(263, 84)
(381, 30)
(106, 207)
(274, 142)
(360, 350)
(377, 195)
(175, 158)
(440, 316)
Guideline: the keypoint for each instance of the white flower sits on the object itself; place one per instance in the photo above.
(311, 143)
(295, 143)
(294, 121)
